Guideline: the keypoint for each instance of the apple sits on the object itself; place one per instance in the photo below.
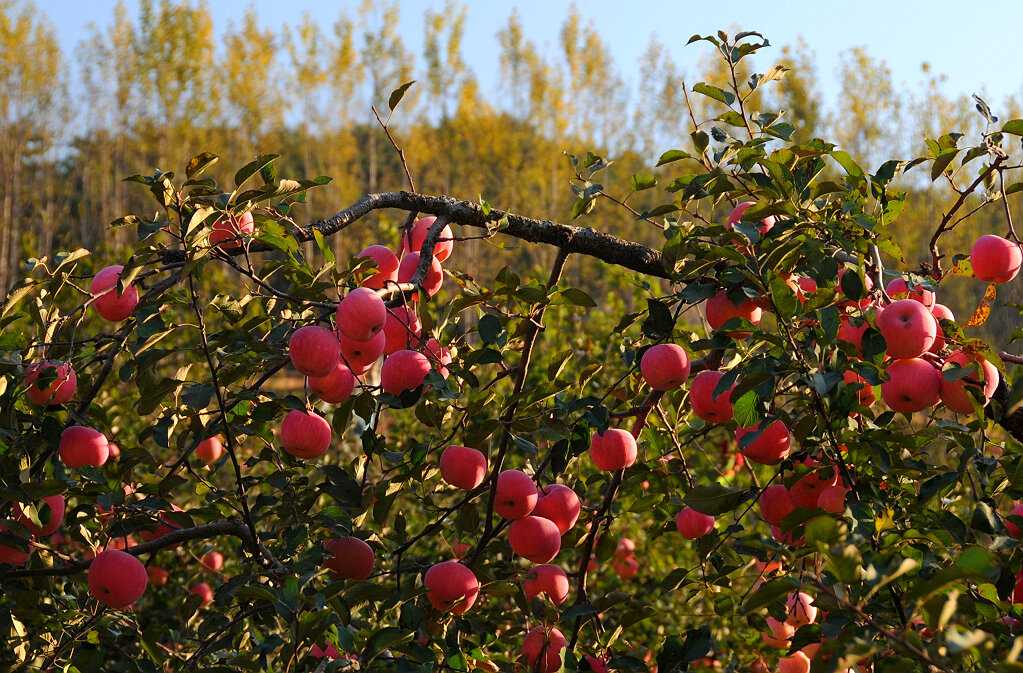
(212, 561)
(61, 387)
(1013, 529)
(852, 333)
(596, 664)
(386, 267)
(401, 329)
(361, 314)
(209, 450)
(335, 387)
(360, 356)
(765, 225)
(801, 610)
(403, 370)
(703, 402)
(434, 276)
(913, 385)
(157, 576)
(908, 328)
(451, 587)
(352, 558)
(534, 538)
(440, 355)
(51, 514)
(770, 446)
(80, 446)
(806, 492)
(463, 467)
(627, 569)
(549, 580)
(110, 305)
(796, 663)
(113, 451)
(539, 643)
(692, 524)
(305, 434)
(898, 288)
(459, 549)
(626, 548)
(832, 499)
(560, 504)
(328, 651)
(16, 555)
(117, 579)
(665, 366)
(163, 527)
(955, 394)
(940, 311)
(995, 259)
(775, 504)
(781, 633)
(515, 495)
(1017, 591)
(203, 590)
(412, 240)
(224, 233)
(866, 391)
(613, 450)
(720, 309)
(314, 350)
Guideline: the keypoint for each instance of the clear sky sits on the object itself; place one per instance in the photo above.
(977, 45)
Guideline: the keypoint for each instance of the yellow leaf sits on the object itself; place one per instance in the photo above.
(983, 311)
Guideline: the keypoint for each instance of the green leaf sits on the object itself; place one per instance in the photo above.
(582, 206)
(1015, 127)
(941, 162)
(398, 94)
(659, 323)
(577, 297)
(717, 94)
(771, 591)
(641, 181)
(673, 155)
(713, 499)
(198, 164)
(253, 167)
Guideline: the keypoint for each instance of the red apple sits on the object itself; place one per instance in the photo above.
(549, 580)
(534, 538)
(796, 663)
(212, 561)
(224, 233)
(209, 450)
(434, 276)
(305, 434)
(361, 314)
(83, 446)
(781, 633)
(359, 356)
(1013, 529)
(560, 504)
(401, 330)
(386, 267)
(851, 333)
(955, 394)
(806, 492)
(314, 350)
(626, 548)
(157, 576)
(335, 387)
(163, 527)
(597, 665)
(403, 370)
(110, 305)
(770, 446)
(61, 387)
(833, 499)
(613, 450)
(516, 495)
(940, 311)
(14, 555)
(203, 590)
(351, 559)
(913, 385)
(720, 310)
(692, 524)
(463, 467)
(543, 650)
(908, 329)
(627, 569)
(451, 587)
(995, 259)
(117, 579)
(765, 225)
(328, 651)
(703, 402)
(51, 514)
(866, 391)
(801, 610)
(775, 504)
(899, 289)
(665, 366)
(439, 355)
(412, 241)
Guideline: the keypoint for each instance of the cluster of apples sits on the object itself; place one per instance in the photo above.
(800, 612)
(820, 488)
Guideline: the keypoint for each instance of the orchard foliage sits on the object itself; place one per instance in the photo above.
(849, 535)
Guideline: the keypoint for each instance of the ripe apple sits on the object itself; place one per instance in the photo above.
(781, 633)
(703, 402)
(801, 610)
(665, 366)
(765, 225)
(560, 504)
(16, 555)
(352, 558)
(305, 434)
(328, 651)
(386, 267)
(898, 288)
(203, 590)
(110, 305)
(913, 385)
(516, 495)
(770, 447)
(335, 387)
(956, 395)
(60, 389)
(403, 370)
(117, 579)
(224, 233)
(539, 643)
(806, 492)
(209, 450)
(51, 514)
(401, 330)
(361, 314)
(434, 276)
(613, 450)
(463, 467)
(83, 446)
(627, 569)
(549, 580)
(163, 527)
(940, 311)
(597, 665)
(439, 355)
(314, 350)
(534, 538)
(412, 241)
(833, 499)
(775, 504)
(720, 310)
(451, 587)
(908, 328)
(157, 576)
(626, 548)
(866, 391)
(852, 333)
(995, 259)
(1013, 529)
(796, 663)
(692, 524)
(360, 356)
(212, 561)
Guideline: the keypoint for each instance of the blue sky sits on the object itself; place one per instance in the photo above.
(977, 45)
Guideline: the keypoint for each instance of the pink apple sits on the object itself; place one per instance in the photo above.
(781, 633)
(865, 394)
(361, 314)
(451, 587)
(359, 356)
(434, 276)
(335, 387)
(627, 569)
(852, 333)
(956, 395)
(796, 663)
(386, 268)
(703, 402)
(403, 370)
(665, 366)
(692, 524)
(560, 504)
(801, 610)
(626, 548)
(770, 446)
(314, 350)
(413, 240)
(51, 514)
(224, 233)
(613, 450)
(212, 561)
(328, 651)
(913, 385)
(351, 558)
(995, 259)
(401, 330)
(60, 387)
(806, 492)
(117, 579)
(898, 289)
(549, 580)
(305, 434)
(940, 311)
(157, 576)
(720, 310)
(534, 538)
(908, 329)
(463, 467)
(209, 450)
(542, 649)
(516, 495)
(833, 499)
(110, 305)
(775, 504)
(439, 355)
(81, 446)
(765, 225)
(204, 591)
(14, 555)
